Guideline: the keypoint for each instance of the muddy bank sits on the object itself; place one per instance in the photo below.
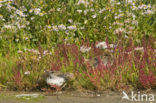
(72, 97)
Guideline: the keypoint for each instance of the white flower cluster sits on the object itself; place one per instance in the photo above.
(17, 16)
(36, 54)
(9, 26)
(18, 23)
(118, 16)
(94, 16)
(119, 31)
(20, 13)
(146, 9)
(63, 27)
(104, 45)
(36, 11)
(84, 2)
(100, 45)
(45, 52)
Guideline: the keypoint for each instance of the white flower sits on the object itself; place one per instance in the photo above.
(102, 10)
(120, 11)
(23, 8)
(149, 6)
(118, 23)
(48, 26)
(119, 30)
(73, 27)
(118, 3)
(94, 16)
(34, 51)
(55, 28)
(134, 7)
(58, 9)
(149, 12)
(84, 2)
(32, 18)
(102, 45)
(27, 72)
(82, 28)
(37, 11)
(86, 21)
(92, 10)
(8, 26)
(133, 16)
(79, 11)
(16, 40)
(62, 27)
(70, 20)
(84, 49)
(26, 38)
(30, 11)
(135, 22)
(129, 1)
(85, 12)
(20, 13)
(119, 16)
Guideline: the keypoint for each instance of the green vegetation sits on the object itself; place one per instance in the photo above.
(60, 35)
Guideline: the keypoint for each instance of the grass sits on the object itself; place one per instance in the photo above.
(49, 35)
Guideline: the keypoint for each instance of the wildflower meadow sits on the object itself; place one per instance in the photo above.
(104, 44)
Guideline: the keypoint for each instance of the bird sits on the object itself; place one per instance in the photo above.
(57, 79)
(105, 59)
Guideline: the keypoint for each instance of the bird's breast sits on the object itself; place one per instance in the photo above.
(55, 80)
